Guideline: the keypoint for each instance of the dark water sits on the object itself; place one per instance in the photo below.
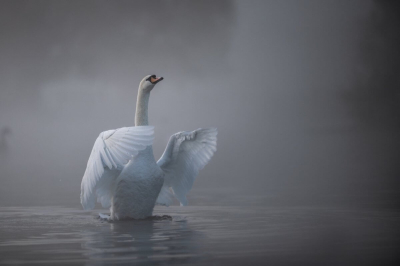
(207, 235)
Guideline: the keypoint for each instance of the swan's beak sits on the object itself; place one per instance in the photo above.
(155, 80)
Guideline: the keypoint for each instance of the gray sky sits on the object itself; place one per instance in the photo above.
(284, 82)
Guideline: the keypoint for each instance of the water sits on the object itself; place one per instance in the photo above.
(201, 235)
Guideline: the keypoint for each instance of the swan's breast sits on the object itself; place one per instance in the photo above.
(143, 166)
(135, 198)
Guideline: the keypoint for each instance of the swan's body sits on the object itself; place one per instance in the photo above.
(123, 174)
(137, 187)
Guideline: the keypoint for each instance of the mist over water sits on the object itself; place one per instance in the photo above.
(305, 96)
(293, 87)
(72, 70)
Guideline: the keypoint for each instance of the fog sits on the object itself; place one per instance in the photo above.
(305, 94)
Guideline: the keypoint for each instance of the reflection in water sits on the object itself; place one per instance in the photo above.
(216, 235)
(141, 241)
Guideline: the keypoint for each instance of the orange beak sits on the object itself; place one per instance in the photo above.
(155, 80)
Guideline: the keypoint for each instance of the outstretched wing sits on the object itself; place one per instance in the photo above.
(111, 151)
(186, 154)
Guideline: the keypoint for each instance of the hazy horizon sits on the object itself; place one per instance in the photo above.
(305, 94)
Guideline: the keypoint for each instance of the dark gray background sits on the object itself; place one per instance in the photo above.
(305, 94)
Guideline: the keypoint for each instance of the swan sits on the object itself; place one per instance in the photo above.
(123, 175)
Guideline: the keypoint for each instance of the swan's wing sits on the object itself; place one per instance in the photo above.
(165, 197)
(111, 151)
(105, 187)
(186, 154)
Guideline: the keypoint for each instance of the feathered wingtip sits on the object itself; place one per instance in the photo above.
(186, 154)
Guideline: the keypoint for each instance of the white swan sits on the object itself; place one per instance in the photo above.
(123, 175)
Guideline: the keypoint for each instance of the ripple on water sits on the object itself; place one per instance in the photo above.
(200, 235)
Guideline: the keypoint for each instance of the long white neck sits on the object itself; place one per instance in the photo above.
(142, 107)
(141, 119)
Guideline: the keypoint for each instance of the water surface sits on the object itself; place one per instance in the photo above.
(201, 235)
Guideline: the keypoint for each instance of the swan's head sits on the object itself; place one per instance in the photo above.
(148, 82)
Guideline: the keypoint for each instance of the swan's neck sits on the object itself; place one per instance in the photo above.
(142, 119)
(142, 107)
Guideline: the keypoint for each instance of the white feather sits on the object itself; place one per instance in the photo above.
(186, 154)
(111, 151)
(123, 175)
